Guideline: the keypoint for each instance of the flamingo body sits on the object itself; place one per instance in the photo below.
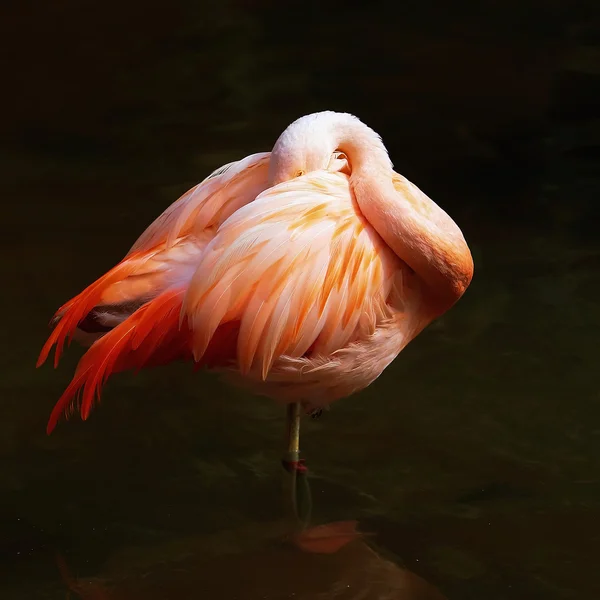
(274, 275)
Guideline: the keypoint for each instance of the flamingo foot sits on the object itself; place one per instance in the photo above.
(314, 412)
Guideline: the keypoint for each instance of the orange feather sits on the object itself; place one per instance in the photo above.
(150, 337)
(69, 315)
(115, 351)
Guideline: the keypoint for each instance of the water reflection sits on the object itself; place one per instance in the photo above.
(267, 569)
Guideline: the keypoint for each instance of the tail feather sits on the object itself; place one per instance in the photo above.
(69, 315)
(150, 337)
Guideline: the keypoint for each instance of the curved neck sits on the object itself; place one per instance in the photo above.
(418, 231)
(362, 145)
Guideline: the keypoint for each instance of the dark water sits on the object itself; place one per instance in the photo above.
(474, 461)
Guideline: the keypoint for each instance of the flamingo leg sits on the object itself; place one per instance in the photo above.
(299, 488)
(292, 423)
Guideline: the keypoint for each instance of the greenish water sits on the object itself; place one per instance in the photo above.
(473, 460)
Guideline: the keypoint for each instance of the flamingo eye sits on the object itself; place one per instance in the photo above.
(300, 172)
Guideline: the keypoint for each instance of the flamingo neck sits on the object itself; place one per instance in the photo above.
(418, 231)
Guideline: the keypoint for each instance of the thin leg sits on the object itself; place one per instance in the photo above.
(299, 490)
(292, 424)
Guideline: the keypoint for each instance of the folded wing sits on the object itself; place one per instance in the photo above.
(209, 203)
(165, 255)
(300, 269)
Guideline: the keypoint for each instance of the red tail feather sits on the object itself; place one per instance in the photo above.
(76, 309)
(151, 336)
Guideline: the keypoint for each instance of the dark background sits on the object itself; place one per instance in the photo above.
(474, 459)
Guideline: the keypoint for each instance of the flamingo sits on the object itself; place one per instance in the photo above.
(301, 274)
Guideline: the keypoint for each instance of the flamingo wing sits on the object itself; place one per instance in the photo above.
(162, 256)
(209, 203)
(150, 335)
(299, 269)
(113, 297)
(131, 314)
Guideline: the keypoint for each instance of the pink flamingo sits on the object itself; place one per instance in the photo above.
(301, 273)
